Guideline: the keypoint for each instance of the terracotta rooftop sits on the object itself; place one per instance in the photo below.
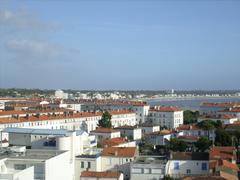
(119, 151)
(104, 130)
(165, 109)
(222, 152)
(189, 156)
(106, 174)
(112, 142)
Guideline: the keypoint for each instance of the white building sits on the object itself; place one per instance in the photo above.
(89, 161)
(118, 159)
(148, 168)
(183, 164)
(105, 133)
(60, 94)
(148, 128)
(62, 119)
(131, 132)
(55, 139)
(169, 117)
(35, 164)
(194, 130)
(158, 138)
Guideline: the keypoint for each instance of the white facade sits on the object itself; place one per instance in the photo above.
(150, 129)
(181, 168)
(101, 135)
(60, 94)
(158, 139)
(170, 119)
(35, 164)
(132, 133)
(147, 168)
(77, 121)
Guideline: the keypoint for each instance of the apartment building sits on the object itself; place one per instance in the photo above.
(169, 117)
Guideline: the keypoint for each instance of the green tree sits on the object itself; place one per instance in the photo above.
(207, 125)
(223, 138)
(203, 144)
(177, 145)
(190, 117)
(105, 121)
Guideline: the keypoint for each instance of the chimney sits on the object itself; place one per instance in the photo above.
(116, 153)
(190, 127)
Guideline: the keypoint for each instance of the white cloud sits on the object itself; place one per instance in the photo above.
(24, 49)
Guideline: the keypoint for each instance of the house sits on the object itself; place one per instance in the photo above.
(105, 133)
(223, 152)
(118, 159)
(93, 175)
(148, 168)
(194, 130)
(131, 132)
(158, 138)
(182, 164)
(89, 161)
(148, 128)
(169, 117)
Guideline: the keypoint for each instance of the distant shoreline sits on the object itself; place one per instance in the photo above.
(188, 98)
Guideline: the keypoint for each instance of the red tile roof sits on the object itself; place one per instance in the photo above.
(228, 164)
(112, 142)
(119, 151)
(106, 174)
(165, 109)
(222, 152)
(104, 130)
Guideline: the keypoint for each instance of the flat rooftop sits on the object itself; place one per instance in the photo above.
(30, 154)
(32, 131)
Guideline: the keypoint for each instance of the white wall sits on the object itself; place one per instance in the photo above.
(193, 165)
(59, 167)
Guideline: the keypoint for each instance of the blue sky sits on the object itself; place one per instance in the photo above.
(120, 45)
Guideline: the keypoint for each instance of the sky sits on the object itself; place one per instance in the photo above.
(120, 45)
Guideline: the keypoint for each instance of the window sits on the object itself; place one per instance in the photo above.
(188, 171)
(204, 166)
(89, 164)
(176, 166)
(19, 166)
(82, 164)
